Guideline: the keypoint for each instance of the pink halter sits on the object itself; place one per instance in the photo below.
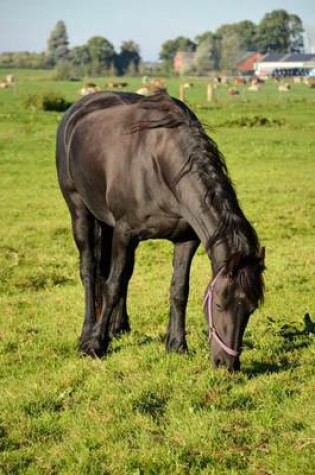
(212, 330)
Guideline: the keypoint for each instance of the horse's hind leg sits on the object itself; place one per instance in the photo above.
(183, 254)
(119, 323)
(102, 252)
(83, 233)
(114, 290)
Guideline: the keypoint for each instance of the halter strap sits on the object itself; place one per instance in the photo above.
(212, 330)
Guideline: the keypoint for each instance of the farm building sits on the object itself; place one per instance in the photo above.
(183, 61)
(255, 63)
(246, 66)
(283, 65)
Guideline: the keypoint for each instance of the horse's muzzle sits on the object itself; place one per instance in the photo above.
(231, 363)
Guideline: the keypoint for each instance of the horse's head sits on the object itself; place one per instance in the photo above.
(232, 296)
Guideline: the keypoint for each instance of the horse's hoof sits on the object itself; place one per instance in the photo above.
(119, 325)
(93, 348)
(117, 332)
(177, 346)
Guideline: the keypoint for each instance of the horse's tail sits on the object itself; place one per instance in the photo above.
(98, 268)
(103, 235)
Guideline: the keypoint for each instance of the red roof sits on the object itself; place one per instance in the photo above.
(247, 63)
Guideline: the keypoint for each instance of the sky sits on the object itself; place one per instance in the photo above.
(25, 25)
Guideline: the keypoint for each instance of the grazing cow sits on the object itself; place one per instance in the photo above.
(284, 87)
(310, 82)
(188, 85)
(152, 87)
(297, 80)
(144, 91)
(254, 87)
(257, 80)
(224, 80)
(9, 81)
(233, 91)
(239, 80)
(117, 85)
(89, 88)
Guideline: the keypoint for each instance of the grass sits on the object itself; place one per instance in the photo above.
(140, 410)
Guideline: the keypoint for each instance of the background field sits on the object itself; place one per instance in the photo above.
(140, 410)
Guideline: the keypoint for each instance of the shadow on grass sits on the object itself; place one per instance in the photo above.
(115, 345)
(143, 340)
(259, 368)
(293, 339)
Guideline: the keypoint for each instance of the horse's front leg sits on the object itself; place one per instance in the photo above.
(183, 254)
(114, 291)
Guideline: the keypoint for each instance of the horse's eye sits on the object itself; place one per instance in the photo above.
(218, 306)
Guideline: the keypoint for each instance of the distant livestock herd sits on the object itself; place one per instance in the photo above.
(151, 86)
(9, 81)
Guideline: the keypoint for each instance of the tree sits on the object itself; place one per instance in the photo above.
(280, 32)
(236, 38)
(296, 34)
(171, 47)
(246, 31)
(101, 52)
(58, 44)
(208, 53)
(128, 59)
(79, 59)
(23, 59)
(231, 50)
(310, 37)
(79, 55)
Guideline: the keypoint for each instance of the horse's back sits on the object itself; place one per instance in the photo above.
(120, 167)
(117, 170)
(79, 110)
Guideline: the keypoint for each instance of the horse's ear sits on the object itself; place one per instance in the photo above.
(261, 257)
(233, 264)
(262, 253)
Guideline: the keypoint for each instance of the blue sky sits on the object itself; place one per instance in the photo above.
(25, 25)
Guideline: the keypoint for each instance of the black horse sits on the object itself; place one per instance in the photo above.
(132, 168)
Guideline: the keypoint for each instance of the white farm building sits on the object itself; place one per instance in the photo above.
(283, 65)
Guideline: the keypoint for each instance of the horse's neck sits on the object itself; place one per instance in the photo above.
(205, 220)
(202, 219)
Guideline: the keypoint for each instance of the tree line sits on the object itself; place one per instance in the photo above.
(278, 32)
(97, 56)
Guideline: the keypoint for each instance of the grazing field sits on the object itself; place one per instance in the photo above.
(140, 410)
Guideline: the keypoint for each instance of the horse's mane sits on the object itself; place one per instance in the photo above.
(164, 112)
(247, 271)
(204, 159)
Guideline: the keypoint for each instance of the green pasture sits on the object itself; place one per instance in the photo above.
(140, 411)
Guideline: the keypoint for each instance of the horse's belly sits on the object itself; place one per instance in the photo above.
(162, 227)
